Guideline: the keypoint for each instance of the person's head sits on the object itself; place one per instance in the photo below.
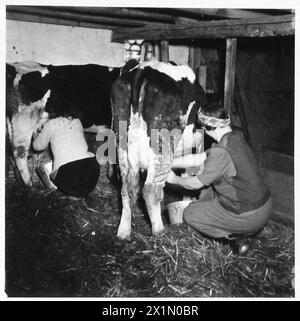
(60, 107)
(213, 117)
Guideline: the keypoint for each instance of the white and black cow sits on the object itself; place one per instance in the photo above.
(32, 89)
(153, 95)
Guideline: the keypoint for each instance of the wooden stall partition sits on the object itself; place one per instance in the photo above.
(278, 173)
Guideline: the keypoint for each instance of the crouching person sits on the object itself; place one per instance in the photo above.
(234, 200)
(75, 170)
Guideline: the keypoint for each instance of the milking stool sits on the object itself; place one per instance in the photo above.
(240, 243)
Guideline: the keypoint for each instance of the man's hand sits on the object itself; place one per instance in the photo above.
(162, 177)
(172, 178)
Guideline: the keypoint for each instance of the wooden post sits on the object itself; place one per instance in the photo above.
(144, 50)
(202, 74)
(164, 46)
(191, 57)
(229, 73)
(157, 50)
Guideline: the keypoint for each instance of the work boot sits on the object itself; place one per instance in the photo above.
(240, 243)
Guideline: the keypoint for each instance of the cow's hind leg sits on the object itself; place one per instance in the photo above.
(125, 223)
(153, 193)
(130, 184)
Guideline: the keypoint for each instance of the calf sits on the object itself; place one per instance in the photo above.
(33, 88)
(152, 95)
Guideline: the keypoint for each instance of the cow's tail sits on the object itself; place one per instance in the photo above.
(200, 101)
(136, 89)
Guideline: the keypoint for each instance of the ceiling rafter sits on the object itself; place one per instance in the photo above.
(224, 13)
(129, 13)
(81, 17)
(152, 23)
(259, 27)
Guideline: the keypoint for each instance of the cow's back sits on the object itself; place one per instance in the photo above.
(157, 99)
(163, 101)
(87, 87)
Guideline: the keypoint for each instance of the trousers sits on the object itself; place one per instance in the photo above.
(210, 218)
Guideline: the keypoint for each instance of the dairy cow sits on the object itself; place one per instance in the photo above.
(151, 96)
(32, 94)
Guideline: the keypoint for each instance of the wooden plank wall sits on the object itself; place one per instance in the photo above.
(278, 172)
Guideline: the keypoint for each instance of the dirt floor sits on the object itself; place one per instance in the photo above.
(59, 247)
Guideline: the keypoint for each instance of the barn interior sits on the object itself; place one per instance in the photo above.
(243, 58)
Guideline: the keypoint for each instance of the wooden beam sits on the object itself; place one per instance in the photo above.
(229, 74)
(223, 13)
(120, 12)
(261, 27)
(55, 21)
(164, 50)
(75, 16)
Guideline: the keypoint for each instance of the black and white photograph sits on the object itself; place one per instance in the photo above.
(149, 151)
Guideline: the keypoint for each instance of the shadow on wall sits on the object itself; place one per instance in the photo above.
(265, 77)
(265, 84)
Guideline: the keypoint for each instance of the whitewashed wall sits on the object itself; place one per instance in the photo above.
(60, 45)
(179, 54)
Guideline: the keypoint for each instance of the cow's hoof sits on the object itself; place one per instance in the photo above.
(158, 232)
(28, 186)
(123, 237)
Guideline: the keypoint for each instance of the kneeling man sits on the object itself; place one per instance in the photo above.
(234, 198)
